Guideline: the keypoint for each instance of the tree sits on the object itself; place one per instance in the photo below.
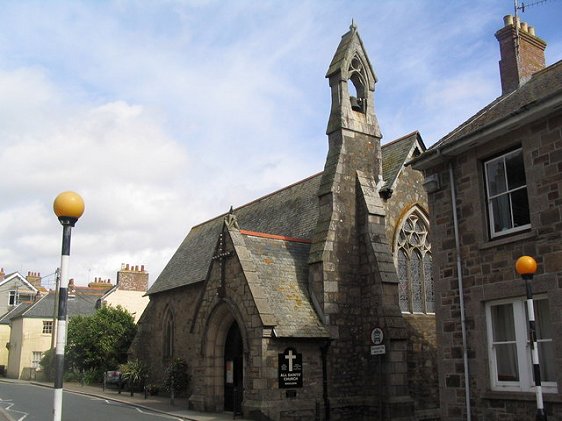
(100, 342)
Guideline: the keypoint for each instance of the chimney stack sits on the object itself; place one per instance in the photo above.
(521, 53)
(34, 278)
(132, 278)
(2, 274)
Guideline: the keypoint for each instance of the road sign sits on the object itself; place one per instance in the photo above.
(378, 350)
(377, 336)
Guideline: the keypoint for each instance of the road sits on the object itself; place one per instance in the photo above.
(28, 402)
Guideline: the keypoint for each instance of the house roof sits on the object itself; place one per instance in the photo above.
(5, 319)
(16, 275)
(290, 212)
(541, 94)
(44, 308)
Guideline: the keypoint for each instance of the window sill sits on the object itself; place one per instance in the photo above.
(496, 242)
(521, 396)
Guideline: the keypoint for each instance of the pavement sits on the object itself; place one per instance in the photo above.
(160, 404)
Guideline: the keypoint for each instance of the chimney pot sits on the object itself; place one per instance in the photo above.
(142, 268)
(521, 54)
(508, 20)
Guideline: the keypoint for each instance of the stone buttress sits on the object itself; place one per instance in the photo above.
(352, 278)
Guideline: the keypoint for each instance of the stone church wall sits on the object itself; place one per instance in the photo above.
(422, 343)
(148, 345)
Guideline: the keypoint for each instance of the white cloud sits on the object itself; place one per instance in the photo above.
(163, 114)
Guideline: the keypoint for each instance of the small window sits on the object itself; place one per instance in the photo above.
(17, 297)
(506, 188)
(36, 359)
(48, 327)
(511, 367)
(415, 280)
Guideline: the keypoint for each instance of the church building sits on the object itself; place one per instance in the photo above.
(315, 301)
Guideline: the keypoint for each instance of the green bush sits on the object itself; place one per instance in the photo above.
(177, 373)
(135, 373)
(47, 363)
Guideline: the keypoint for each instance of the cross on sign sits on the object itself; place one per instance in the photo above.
(290, 356)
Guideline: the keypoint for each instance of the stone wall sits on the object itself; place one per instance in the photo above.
(488, 269)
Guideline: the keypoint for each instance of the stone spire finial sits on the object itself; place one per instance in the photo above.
(353, 26)
(230, 220)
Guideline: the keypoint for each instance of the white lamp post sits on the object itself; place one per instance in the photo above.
(68, 207)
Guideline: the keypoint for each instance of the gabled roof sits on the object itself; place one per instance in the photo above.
(539, 96)
(282, 278)
(290, 212)
(397, 153)
(17, 275)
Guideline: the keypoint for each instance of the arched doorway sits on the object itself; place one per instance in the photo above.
(233, 369)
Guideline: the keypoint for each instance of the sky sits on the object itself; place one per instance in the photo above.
(163, 114)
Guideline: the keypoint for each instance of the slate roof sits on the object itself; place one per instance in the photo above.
(394, 155)
(282, 268)
(5, 319)
(290, 212)
(81, 304)
(542, 87)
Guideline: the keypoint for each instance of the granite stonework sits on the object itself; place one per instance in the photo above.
(307, 270)
(517, 119)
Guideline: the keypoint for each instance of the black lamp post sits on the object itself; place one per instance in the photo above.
(68, 207)
(526, 266)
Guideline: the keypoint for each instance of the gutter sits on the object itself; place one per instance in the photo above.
(523, 115)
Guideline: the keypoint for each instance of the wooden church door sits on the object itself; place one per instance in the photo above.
(233, 370)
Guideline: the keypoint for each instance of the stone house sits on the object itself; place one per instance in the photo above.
(290, 307)
(495, 194)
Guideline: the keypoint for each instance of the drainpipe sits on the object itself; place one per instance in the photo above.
(324, 350)
(461, 291)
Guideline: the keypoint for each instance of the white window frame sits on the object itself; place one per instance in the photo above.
(47, 326)
(508, 192)
(524, 362)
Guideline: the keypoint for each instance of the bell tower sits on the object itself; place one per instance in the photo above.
(352, 278)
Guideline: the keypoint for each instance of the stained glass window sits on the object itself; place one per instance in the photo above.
(415, 287)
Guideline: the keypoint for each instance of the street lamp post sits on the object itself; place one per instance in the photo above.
(526, 266)
(68, 207)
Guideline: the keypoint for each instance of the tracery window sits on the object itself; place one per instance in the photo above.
(415, 287)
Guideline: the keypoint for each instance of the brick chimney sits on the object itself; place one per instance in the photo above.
(34, 278)
(132, 278)
(522, 53)
(2, 274)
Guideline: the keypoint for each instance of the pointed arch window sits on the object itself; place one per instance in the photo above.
(413, 260)
(168, 331)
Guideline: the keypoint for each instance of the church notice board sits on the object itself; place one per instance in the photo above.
(290, 369)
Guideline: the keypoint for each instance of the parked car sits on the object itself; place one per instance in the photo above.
(114, 377)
